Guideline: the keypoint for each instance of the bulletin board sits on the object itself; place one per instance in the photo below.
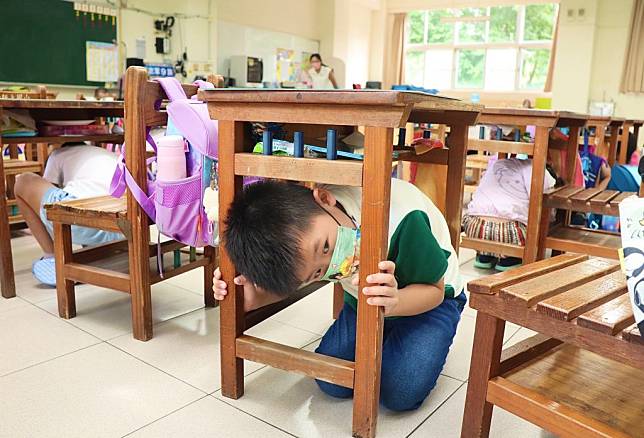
(44, 41)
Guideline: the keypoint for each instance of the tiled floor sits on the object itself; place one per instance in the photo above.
(87, 377)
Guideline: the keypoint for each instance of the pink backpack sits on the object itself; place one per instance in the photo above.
(185, 209)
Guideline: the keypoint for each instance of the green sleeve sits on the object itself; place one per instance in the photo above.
(414, 249)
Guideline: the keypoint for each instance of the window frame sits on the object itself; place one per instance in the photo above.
(519, 44)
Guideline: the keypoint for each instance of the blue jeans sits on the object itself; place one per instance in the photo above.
(414, 351)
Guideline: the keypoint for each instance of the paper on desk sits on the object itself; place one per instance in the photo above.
(631, 255)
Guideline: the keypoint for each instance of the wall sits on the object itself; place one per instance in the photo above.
(574, 58)
(611, 39)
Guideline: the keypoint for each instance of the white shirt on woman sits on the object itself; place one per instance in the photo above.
(321, 79)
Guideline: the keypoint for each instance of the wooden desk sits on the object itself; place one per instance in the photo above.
(544, 121)
(44, 109)
(380, 112)
(582, 376)
(623, 138)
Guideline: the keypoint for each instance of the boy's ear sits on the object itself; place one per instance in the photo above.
(323, 197)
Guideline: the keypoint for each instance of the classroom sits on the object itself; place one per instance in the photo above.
(321, 218)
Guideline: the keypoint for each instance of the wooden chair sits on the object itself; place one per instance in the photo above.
(564, 237)
(123, 265)
(31, 163)
(623, 138)
(582, 375)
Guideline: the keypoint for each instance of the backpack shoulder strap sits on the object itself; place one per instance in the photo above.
(172, 88)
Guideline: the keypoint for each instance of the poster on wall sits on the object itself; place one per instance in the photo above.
(285, 65)
(305, 65)
(102, 61)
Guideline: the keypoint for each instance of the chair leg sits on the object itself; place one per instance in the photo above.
(338, 299)
(139, 254)
(64, 287)
(210, 254)
(486, 354)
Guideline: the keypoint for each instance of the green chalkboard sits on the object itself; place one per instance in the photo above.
(43, 41)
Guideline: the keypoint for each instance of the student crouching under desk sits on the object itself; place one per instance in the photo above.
(282, 236)
(499, 208)
(72, 172)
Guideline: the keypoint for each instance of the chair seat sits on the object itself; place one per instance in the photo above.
(586, 200)
(14, 166)
(102, 212)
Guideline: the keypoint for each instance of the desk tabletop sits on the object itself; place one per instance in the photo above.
(60, 104)
(529, 112)
(421, 101)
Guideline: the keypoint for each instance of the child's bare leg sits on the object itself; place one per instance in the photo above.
(29, 190)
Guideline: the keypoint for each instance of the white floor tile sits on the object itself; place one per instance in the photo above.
(522, 334)
(107, 313)
(459, 358)
(191, 280)
(296, 404)
(187, 347)
(96, 392)
(313, 313)
(469, 270)
(465, 255)
(7, 304)
(29, 335)
(209, 417)
(446, 422)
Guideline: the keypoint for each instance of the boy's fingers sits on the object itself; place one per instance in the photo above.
(381, 291)
(388, 266)
(381, 301)
(386, 279)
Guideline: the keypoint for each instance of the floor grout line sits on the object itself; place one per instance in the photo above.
(252, 415)
(437, 408)
(164, 416)
(50, 359)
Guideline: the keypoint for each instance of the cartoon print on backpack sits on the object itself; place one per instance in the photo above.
(634, 267)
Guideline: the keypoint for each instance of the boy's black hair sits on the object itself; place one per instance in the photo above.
(264, 230)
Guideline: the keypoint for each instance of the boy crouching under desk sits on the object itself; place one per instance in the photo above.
(282, 236)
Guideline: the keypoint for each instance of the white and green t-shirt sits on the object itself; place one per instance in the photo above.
(419, 240)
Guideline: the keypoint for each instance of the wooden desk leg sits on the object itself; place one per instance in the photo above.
(63, 254)
(623, 143)
(536, 194)
(376, 188)
(571, 154)
(486, 356)
(612, 148)
(210, 254)
(338, 299)
(456, 159)
(231, 135)
(7, 281)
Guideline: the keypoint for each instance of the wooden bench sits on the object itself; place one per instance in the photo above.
(582, 375)
(564, 237)
(125, 265)
(380, 112)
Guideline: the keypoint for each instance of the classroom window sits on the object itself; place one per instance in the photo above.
(500, 48)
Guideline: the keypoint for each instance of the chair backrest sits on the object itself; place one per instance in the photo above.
(40, 93)
(144, 108)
